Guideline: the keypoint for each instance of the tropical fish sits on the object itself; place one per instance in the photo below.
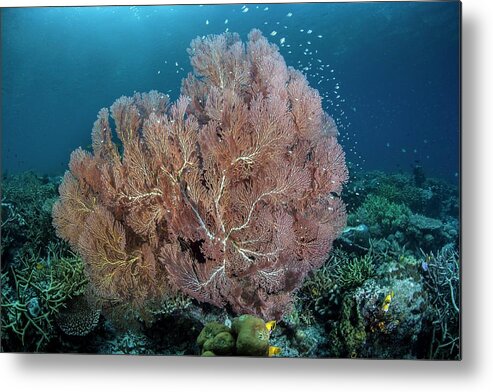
(273, 350)
(424, 265)
(270, 325)
(359, 228)
(387, 301)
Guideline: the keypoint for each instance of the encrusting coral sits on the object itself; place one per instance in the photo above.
(230, 195)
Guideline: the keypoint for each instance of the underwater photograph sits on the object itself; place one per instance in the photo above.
(266, 180)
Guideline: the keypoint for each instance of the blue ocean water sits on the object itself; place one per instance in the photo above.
(388, 72)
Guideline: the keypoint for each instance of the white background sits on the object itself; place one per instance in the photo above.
(474, 373)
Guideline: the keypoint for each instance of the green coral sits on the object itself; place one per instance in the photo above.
(319, 289)
(252, 336)
(348, 335)
(382, 216)
(353, 272)
(33, 294)
(248, 336)
(222, 344)
(207, 338)
(398, 189)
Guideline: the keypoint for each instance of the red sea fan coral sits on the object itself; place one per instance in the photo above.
(230, 195)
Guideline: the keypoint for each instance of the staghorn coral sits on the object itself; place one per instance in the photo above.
(34, 293)
(442, 281)
(230, 195)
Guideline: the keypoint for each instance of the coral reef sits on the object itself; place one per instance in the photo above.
(394, 207)
(27, 200)
(229, 202)
(406, 307)
(229, 196)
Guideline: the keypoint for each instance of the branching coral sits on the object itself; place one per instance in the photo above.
(442, 280)
(382, 216)
(350, 273)
(34, 293)
(230, 195)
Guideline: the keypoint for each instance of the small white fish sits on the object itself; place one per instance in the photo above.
(207, 22)
(289, 15)
(226, 21)
(282, 40)
(273, 33)
(245, 10)
(309, 32)
(266, 9)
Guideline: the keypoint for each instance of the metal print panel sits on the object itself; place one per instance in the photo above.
(269, 180)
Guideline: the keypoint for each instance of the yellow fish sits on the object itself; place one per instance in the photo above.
(270, 325)
(39, 266)
(387, 301)
(273, 350)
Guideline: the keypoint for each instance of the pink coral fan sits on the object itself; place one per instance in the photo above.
(230, 195)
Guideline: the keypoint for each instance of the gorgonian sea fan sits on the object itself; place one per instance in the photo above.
(230, 195)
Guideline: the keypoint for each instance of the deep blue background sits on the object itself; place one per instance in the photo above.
(389, 73)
